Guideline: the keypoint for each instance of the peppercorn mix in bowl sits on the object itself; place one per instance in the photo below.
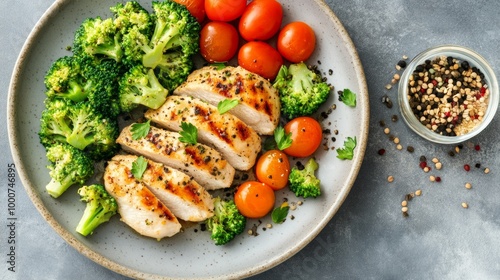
(448, 94)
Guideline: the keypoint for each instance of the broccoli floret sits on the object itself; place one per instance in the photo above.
(66, 78)
(103, 97)
(174, 69)
(69, 166)
(80, 126)
(82, 78)
(140, 86)
(131, 15)
(226, 223)
(303, 182)
(175, 29)
(99, 38)
(135, 24)
(101, 206)
(301, 89)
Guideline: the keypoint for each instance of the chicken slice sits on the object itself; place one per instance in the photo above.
(238, 143)
(202, 162)
(138, 206)
(259, 105)
(182, 195)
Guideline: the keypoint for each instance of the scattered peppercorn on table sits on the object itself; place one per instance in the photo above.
(418, 210)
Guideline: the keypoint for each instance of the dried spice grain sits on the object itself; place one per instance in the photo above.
(448, 96)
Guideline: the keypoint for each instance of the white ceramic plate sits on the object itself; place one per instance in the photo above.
(189, 254)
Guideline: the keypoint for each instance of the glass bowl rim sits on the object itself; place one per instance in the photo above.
(462, 53)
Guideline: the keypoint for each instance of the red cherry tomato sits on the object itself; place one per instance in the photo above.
(261, 20)
(195, 7)
(218, 41)
(254, 199)
(296, 41)
(273, 169)
(306, 135)
(224, 10)
(260, 58)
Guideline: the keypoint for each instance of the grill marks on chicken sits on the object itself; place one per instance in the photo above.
(238, 143)
(259, 105)
(202, 162)
(139, 208)
(186, 199)
(178, 175)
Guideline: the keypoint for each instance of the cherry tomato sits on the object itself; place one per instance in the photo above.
(273, 169)
(218, 41)
(306, 135)
(224, 10)
(195, 7)
(296, 41)
(254, 199)
(261, 20)
(260, 58)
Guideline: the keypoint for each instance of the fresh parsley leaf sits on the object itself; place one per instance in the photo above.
(189, 133)
(279, 213)
(140, 130)
(283, 140)
(139, 166)
(219, 66)
(226, 105)
(347, 152)
(348, 97)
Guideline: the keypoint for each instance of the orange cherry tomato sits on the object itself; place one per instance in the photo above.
(254, 199)
(306, 135)
(273, 168)
(261, 20)
(296, 41)
(218, 41)
(260, 58)
(195, 7)
(224, 10)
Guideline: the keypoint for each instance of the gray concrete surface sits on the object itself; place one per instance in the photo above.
(368, 238)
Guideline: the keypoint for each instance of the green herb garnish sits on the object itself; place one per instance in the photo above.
(226, 105)
(348, 97)
(189, 133)
(140, 130)
(283, 140)
(347, 152)
(279, 213)
(139, 166)
(219, 65)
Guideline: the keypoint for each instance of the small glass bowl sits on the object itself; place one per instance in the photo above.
(462, 54)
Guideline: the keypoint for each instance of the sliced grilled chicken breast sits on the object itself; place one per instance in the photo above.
(138, 206)
(182, 195)
(238, 143)
(259, 105)
(200, 161)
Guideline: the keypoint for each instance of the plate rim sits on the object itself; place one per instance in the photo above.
(130, 272)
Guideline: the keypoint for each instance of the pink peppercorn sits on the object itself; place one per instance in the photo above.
(467, 167)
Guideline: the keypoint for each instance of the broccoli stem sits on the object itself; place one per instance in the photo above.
(311, 167)
(113, 50)
(81, 135)
(162, 40)
(55, 189)
(92, 217)
(302, 77)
